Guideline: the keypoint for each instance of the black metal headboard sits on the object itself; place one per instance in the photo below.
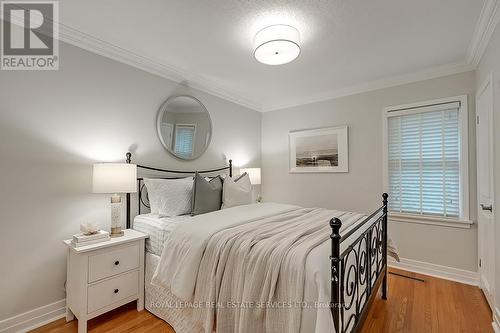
(142, 198)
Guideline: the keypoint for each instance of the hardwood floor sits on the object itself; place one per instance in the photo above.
(123, 319)
(434, 305)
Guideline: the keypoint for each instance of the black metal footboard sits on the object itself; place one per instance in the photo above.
(359, 270)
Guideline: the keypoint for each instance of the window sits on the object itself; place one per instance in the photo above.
(426, 149)
(184, 140)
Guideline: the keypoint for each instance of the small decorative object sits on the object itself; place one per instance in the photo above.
(255, 178)
(115, 178)
(321, 150)
(89, 228)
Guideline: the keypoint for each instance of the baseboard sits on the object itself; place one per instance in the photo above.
(443, 272)
(34, 318)
(496, 320)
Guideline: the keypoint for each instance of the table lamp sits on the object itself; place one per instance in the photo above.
(255, 179)
(115, 178)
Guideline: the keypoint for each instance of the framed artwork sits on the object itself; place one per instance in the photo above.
(323, 150)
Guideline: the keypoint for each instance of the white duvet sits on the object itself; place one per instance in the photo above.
(183, 252)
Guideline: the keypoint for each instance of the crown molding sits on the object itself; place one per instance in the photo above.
(167, 71)
(192, 80)
(490, 15)
(486, 24)
(189, 79)
(389, 82)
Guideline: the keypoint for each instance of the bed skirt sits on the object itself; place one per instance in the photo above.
(163, 304)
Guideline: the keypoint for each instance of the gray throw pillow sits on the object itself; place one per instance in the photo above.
(207, 195)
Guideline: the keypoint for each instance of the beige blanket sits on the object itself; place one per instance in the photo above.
(251, 276)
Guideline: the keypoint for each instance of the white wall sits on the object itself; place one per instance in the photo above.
(53, 126)
(361, 188)
(490, 63)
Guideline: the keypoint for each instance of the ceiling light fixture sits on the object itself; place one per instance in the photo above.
(277, 44)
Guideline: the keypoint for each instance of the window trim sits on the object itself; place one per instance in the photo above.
(463, 221)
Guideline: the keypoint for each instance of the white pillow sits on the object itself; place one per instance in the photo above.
(236, 193)
(170, 197)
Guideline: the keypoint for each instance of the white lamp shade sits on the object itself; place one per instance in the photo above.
(277, 44)
(114, 178)
(254, 174)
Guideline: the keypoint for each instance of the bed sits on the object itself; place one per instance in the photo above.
(342, 265)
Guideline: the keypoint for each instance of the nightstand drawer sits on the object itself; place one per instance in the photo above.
(113, 262)
(110, 291)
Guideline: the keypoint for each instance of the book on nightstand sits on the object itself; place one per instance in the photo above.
(81, 239)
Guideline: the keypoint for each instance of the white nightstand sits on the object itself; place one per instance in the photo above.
(104, 276)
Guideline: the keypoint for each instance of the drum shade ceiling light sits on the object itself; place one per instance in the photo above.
(277, 44)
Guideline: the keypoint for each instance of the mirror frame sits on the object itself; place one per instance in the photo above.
(161, 112)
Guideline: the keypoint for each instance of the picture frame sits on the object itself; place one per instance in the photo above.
(321, 150)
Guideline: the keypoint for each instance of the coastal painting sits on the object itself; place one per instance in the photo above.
(319, 150)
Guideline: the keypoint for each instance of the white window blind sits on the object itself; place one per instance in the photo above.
(184, 140)
(424, 160)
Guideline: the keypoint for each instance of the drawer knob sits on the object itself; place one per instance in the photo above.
(116, 291)
(117, 263)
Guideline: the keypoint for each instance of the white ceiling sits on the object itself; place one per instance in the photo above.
(345, 43)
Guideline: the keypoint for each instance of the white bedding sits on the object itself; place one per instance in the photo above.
(177, 270)
(163, 304)
(180, 260)
(158, 228)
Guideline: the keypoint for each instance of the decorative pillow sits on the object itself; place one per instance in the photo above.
(237, 192)
(207, 195)
(170, 197)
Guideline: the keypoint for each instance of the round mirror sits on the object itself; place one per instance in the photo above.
(184, 127)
